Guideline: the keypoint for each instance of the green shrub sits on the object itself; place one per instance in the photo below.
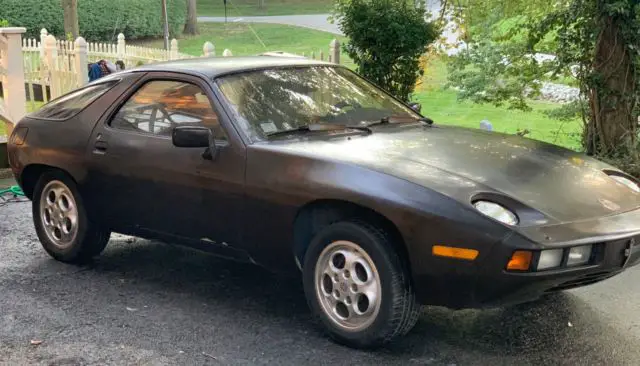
(386, 40)
(100, 20)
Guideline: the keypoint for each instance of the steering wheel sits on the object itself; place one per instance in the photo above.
(164, 115)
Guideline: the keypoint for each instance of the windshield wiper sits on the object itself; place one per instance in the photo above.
(318, 127)
(382, 121)
(385, 121)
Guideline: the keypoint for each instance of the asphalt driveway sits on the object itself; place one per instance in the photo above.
(147, 303)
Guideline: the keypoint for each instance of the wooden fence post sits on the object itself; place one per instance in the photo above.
(12, 75)
(173, 54)
(208, 49)
(43, 36)
(81, 57)
(334, 51)
(51, 61)
(227, 53)
(121, 48)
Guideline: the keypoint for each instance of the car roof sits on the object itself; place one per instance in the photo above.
(213, 67)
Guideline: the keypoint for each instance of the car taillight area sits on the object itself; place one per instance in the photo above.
(19, 136)
(616, 254)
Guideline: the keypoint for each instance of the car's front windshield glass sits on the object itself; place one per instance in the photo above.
(272, 100)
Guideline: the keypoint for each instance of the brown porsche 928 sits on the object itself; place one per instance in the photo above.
(299, 165)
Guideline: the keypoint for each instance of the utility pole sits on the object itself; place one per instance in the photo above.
(165, 20)
(225, 10)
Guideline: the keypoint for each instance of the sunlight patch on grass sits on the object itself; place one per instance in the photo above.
(444, 107)
(245, 39)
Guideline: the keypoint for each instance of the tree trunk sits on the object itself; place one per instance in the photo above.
(191, 25)
(612, 129)
(165, 24)
(70, 14)
(261, 4)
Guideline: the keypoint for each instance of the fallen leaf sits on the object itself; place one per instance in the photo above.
(131, 309)
(35, 342)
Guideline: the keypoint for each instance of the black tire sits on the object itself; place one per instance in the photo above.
(90, 239)
(398, 310)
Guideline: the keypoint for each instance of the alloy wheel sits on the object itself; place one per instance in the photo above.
(348, 285)
(59, 214)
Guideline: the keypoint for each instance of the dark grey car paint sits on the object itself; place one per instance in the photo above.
(245, 202)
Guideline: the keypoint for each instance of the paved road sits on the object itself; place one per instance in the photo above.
(315, 21)
(154, 304)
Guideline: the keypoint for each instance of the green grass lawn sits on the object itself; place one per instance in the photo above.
(250, 39)
(272, 7)
(444, 108)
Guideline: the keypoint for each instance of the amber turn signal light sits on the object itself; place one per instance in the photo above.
(520, 261)
(451, 252)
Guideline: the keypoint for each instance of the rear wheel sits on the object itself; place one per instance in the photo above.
(61, 220)
(358, 286)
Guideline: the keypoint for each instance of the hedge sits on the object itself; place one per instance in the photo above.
(100, 20)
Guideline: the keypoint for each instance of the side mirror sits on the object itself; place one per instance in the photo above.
(192, 136)
(416, 107)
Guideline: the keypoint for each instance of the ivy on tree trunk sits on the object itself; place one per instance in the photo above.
(611, 127)
(597, 41)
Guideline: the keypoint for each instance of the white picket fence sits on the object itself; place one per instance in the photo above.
(46, 68)
(62, 65)
(12, 105)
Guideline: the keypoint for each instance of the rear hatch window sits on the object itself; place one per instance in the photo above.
(72, 103)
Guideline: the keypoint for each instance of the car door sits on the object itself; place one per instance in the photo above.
(150, 187)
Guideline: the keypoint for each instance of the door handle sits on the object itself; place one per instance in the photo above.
(100, 147)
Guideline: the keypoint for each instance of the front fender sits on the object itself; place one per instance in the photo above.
(279, 184)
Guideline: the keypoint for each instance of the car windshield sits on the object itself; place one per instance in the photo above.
(268, 101)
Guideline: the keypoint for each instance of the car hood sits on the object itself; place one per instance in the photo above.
(459, 162)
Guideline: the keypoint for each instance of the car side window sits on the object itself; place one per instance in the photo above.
(160, 105)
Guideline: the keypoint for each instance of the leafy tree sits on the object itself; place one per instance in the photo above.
(597, 41)
(386, 40)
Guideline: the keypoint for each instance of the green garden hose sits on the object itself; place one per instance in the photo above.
(13, 190)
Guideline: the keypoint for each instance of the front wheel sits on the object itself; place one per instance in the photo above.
(61, 220)
(358, 285)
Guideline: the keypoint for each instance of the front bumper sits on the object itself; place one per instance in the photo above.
(457, 284)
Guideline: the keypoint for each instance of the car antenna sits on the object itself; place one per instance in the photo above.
(239, 18)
